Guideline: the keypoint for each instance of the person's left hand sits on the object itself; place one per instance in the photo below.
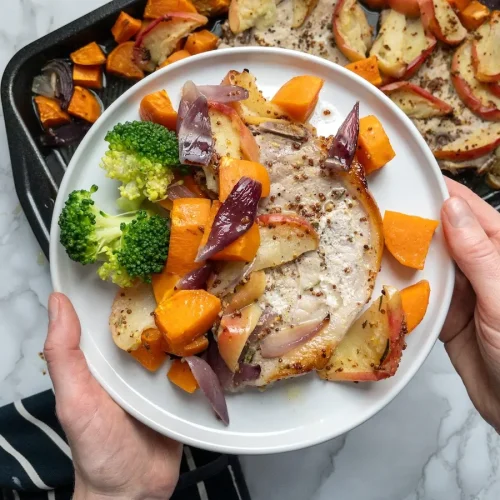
(114, 455)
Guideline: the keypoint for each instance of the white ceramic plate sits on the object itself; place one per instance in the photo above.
(295, 413)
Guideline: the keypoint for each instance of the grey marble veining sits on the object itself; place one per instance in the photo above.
(428, 444)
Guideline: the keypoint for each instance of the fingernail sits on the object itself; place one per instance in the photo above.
(53, 308)
(459, 213)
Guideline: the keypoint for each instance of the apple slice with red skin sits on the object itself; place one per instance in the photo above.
(494, 88)
(372, 348)
(247, 293)
(486, 50)
(283, 238)
(409, 8)
(474, 94)
(402, 45)
(234, 331)
(232, 134)
(419, 45)
(159, 39)
(439, 17)
(351, 31)
(472, 145)
(415, 101)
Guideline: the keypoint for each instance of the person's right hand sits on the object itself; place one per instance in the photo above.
(471, 332)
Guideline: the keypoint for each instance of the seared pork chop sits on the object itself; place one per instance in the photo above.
(330, 284)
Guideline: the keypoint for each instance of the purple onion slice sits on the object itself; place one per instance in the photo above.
(179, 191)
(234, 218)
(343, 148)
(279, 343)
(218, 365)
(209, 385)
(189, 94)
(65, 135)
(64, 80)
(246, 373)
(195, 135)
(195, 280)
(223, 93)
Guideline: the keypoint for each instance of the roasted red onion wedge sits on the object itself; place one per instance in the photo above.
(195, 280)
(223, 93)
(66, 134)
(343, 148)
(189, 94)
(179, 191)
(44, 85)
(209, 385)
(59, 70)
(218, 365)
(279, 343)
(234, 218)
(195, 135)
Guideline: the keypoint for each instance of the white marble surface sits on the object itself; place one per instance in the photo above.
(429, 444)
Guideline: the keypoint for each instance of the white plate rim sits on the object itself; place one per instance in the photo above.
(310, 440)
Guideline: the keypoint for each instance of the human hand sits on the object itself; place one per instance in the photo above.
(471, 332)
(114, 455)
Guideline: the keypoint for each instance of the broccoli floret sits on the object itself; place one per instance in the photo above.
(132, 245)
(141, 156)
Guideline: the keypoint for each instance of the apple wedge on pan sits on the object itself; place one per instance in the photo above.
(159, 39)
(486, 50)
(352, 33)
(373, 346)
(246, 14)
(301, 10)
(402, 45)
(472, 145)
(415, 101)
(439, 17)
(474, 94)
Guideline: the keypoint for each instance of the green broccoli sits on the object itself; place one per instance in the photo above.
(132, 245)
(141, 156)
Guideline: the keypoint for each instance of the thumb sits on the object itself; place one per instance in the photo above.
(471, 249)
(66, 363)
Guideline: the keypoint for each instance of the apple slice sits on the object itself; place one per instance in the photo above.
(474, 94)
(231, 136)
(256, 106)
(246, 14)
(156, 42)
(234, 331)
(415, 101)
(409, 8)
(479, 142)
(439, 17)
(486, 50)
(283, 238)
(418, 46)
(301, 10)
(352, 33)
(247, 293)
(494, 88)
(373, 346)
(131, 314)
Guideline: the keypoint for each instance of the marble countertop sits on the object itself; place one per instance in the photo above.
(428, 444)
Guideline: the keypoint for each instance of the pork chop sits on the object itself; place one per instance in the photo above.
(336, 280)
